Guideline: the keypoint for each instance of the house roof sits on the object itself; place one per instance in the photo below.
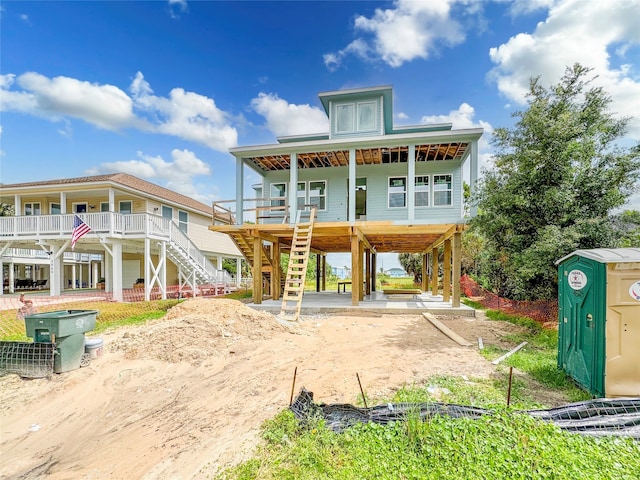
(121, 180)
(607, 255)
(432, 145)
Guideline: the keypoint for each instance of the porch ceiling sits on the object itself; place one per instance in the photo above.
(335, 237)
(364, 156)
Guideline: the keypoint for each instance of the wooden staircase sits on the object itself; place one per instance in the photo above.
(297, 271)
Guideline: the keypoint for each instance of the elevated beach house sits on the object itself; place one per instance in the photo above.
(140, 233)
(365, 187)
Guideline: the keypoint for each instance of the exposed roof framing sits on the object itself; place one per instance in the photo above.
(454, 151)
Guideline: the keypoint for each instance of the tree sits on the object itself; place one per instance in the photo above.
(412, 264)
(628, 225)
(6, 210)
(557, 176)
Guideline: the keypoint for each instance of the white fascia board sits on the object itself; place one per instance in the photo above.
(465, 135)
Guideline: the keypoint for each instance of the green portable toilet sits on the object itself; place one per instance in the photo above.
(599, 320)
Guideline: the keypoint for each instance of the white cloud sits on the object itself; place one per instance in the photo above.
(183, 114)
(523, 7)
(177, 174)
(576, 31)
(463, 118)
(284, 118)
(408, 31)
(176, 7)
(105, 106)
(186, 115)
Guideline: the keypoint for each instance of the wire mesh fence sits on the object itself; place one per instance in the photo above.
(133, 303)
(599, 417)
(30, 360)
(543, 311)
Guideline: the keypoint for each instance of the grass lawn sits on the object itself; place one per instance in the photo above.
(504, 445)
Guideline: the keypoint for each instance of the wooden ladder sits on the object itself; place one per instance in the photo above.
(297, 270)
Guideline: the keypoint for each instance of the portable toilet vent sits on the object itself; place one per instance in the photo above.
(599, 320)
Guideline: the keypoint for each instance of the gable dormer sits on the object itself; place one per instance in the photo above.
(362, 112)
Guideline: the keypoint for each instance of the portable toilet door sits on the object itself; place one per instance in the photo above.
(581, 319)
(599, 320)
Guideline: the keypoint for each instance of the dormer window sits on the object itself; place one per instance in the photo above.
(356, 118)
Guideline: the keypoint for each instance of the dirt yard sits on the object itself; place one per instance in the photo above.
(184, 396)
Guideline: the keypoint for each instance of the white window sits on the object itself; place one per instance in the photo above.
(442, 190)
(54, 209)
(366, 116)
(183, 221)
(32, 208)
(126, 207)
(104, 206)
(278, 194)
(318, 194)
(80, 207)
(397, 192)
(167, 212)
(301, 195)
(421, 191)
(344, 118)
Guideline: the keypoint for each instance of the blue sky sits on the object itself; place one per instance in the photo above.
(162, 89)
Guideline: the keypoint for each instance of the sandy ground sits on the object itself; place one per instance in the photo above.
(186, 395)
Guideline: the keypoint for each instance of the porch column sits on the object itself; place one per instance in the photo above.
(112, 202)
(374, 258)
(367, 275)
(425, 272)
(12, 278)
(238, 272)
(240, 191)
(17, 205)
(275, 270)
(356, 270)
(73, 276)
(473, 177)
(107, 271)
(2, 276)
(457, 263)
(95, 276)
(434, 271)
(116, 248)
(163, 271)
(63, 203)
(293, 189)
(351, 195)
(323, 287)
(318, 272)
(147, 270)
(446, 267)
(411, 182)
(257, 270)
(56, 269)
(219, 262)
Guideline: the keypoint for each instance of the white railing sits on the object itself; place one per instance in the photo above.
(26, 253)
(179, 238)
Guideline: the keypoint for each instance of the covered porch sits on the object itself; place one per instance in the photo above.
(262, 246)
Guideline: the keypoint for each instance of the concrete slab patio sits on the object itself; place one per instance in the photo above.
(377, 302)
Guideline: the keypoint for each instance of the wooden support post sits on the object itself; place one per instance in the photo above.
(356, 270)
(276, 274)
(324, 273)
(457, 263)
(318, 270)
(257, 270)
(361, 282)
(425, 272)
(446, 267)
(434, 271)
(367, 275)
(373, 271)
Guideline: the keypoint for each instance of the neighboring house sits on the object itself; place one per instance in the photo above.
(396, 272)
(377, 188)
(138, 230)
(341, 272)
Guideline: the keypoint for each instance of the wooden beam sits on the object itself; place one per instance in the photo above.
(318, 272)
(434, 271)
(275, 271)
(356, 269)
(361, 282)
(257, 270)
(373, 271)
(425, 272)
(324, 273)
(367, 275)
(446, 267)
(450, 231)
(457, 263)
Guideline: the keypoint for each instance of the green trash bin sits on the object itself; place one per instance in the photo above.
(66, 328)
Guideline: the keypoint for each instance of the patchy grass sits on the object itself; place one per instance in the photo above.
(506, 444)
